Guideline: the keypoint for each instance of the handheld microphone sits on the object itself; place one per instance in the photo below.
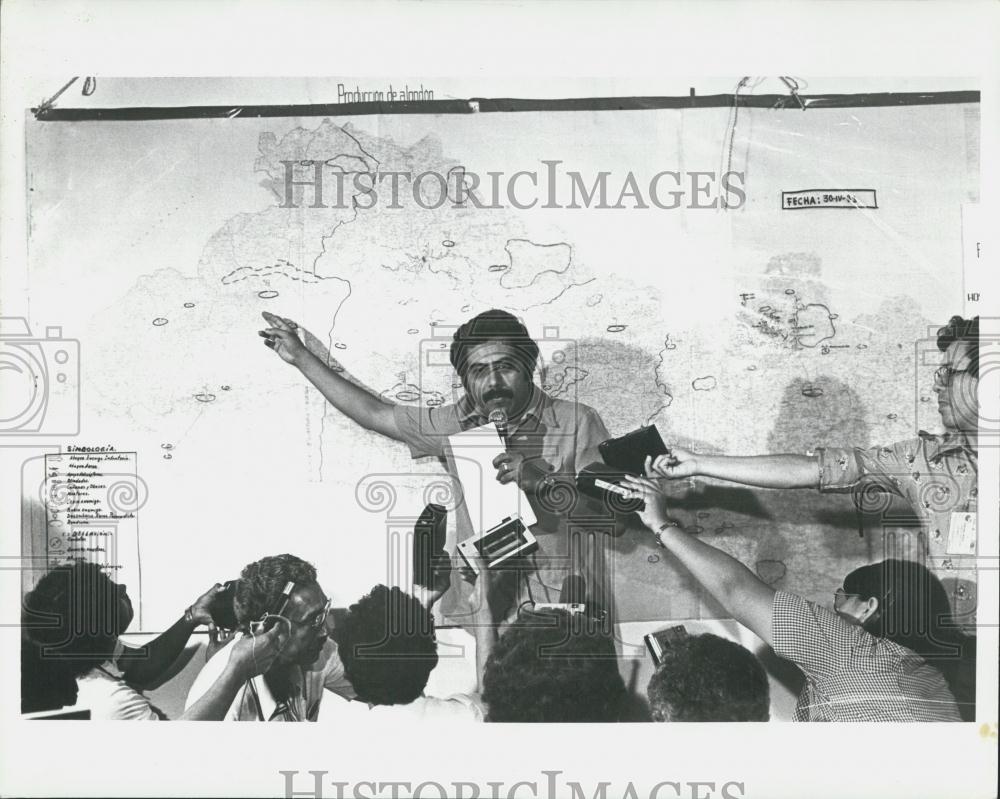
(499, 420)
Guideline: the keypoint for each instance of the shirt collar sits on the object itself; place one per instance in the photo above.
(947, 443)
(540, 408)
(259, 691)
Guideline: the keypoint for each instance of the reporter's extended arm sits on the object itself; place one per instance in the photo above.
(149, 666)
(145, 666)
(247, 657)
(746, 597)
(213, 704)
(485, 628)
(765, 471)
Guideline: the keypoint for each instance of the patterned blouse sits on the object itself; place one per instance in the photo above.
(852, 675)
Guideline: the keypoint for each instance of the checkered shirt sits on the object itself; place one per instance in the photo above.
(852, 675)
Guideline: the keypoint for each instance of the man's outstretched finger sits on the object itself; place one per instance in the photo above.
(275, 321)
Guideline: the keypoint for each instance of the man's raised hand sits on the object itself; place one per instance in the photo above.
(282, 337)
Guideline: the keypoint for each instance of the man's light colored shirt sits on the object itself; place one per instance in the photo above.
(937, 475)
(255, 702)
(560, 438)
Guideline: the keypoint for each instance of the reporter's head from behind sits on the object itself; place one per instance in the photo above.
(73, 617)
(553, 666)
(387, 644)
(389, 649)
(707, 678)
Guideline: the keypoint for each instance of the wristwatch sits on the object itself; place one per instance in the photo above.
(665, 526)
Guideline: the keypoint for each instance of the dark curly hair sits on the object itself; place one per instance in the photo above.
(959, 329)
(554, 667)
(261, 583)
(387, 646)
(493, 325)
(72, 615)
(707, 678)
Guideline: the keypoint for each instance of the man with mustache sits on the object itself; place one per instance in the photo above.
(549, 441)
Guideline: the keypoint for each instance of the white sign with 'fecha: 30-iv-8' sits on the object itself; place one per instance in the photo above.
(828, 198)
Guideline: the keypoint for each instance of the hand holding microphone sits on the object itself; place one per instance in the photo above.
(498, 418)
(511, 465)
(508, 464)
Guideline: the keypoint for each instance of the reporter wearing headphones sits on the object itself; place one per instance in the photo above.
(279, 596)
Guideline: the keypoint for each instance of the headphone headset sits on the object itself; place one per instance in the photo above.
(262, 626)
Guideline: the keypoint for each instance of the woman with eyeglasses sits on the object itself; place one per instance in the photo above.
(877, 656)
(74, 617)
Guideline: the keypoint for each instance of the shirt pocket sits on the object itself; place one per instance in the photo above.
(558, 457)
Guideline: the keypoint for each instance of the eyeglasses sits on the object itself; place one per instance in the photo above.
(319, 622)
(944, 374)
(840, 594)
